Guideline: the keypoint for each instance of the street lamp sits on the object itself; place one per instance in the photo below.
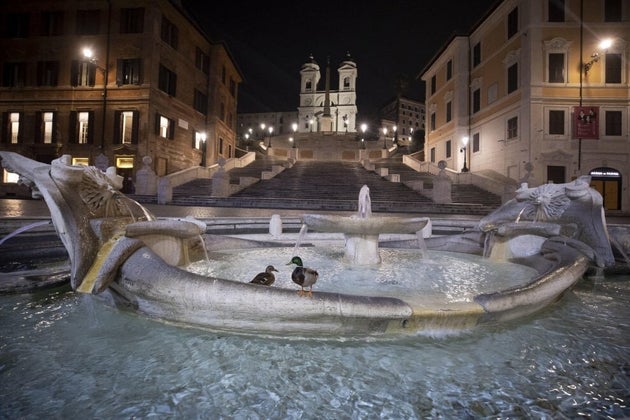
(203, 148)
(463, 149)
(311, 122)
(363, 130)
(270, 131)
(384, 137)
(345, 123)
(88, 54)
(247, 141)
(262, 130)
(603, 45)
(294, 126)
(396, 135)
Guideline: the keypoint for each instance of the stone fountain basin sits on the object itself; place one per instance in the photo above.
(372, 225)
(149, 286)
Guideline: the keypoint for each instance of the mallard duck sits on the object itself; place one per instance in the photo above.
(304, 276)
(267, 278)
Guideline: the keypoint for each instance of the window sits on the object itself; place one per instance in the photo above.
(512, 128)
(556, 122)
(448, 149)
(47, 73)
(14, 75)
(201, 102)
(198, 140)
(82, 73)
(613, 123)
(202, 61)
(169, 32)
(612, 10)
(51, 23)
(82, 127)
(88, 22)
(14, 128)
(512, 23)
(432, 123)
(132, 20)
(432, 154)
(346, 83)
(449, 106)
(164, 127)
(512, 78)
(233, 88)
(167, 81)
(45, 129)
(493, 92)
(126, 127)
(17, 25)
(555, 10)
(221, 146)
(476, 102)
(613, 68)
(449, 70)
(477, 54)
(309, 85)
(556, 67)
(129, 71)
(433, 84)
(475, 142)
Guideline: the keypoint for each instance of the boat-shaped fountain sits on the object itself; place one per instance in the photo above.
(122, 254)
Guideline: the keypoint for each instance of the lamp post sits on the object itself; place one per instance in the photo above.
(311, 122)
(463, 149)
(384, 137)
(363, 130)
(396, 135)
(262, 131)
(247, 141)
(270, 132)
(294, 126)
(345, 123)
(88, 54)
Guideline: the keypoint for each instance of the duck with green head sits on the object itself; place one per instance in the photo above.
(303, 276)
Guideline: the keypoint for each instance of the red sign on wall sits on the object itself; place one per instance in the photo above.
(586, 122)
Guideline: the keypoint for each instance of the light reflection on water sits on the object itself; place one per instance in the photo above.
(64, 354)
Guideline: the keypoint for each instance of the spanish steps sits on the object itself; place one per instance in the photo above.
(334, 185)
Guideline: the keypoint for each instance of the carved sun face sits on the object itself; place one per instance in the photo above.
(547, 202)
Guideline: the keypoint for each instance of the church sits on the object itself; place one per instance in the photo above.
(328, 110)
(320, 108)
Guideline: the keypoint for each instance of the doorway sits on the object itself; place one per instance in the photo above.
(607, 181)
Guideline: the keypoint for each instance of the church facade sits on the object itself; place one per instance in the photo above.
(328, 110)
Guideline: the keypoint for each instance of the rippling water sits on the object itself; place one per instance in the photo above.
(64, 355)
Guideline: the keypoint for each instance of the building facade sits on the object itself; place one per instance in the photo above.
(403, 117)
(111, 82)
(531, 94)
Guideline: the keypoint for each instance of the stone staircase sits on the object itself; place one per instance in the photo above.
(330, 185)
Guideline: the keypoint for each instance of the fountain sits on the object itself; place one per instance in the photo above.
(121, 253)
(362, 231)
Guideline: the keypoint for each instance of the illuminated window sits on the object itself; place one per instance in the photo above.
(84, 126)
(14, 126)
(9, 177)
(48, 120)
(126, 127)
(80, 161)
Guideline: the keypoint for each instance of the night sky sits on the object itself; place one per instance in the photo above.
(271, 40)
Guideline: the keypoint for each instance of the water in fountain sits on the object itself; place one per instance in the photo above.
(24, 229)
(63, 358)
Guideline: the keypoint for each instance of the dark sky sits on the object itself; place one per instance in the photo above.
(271, 40)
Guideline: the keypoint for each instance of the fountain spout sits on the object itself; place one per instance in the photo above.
(362, 230)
